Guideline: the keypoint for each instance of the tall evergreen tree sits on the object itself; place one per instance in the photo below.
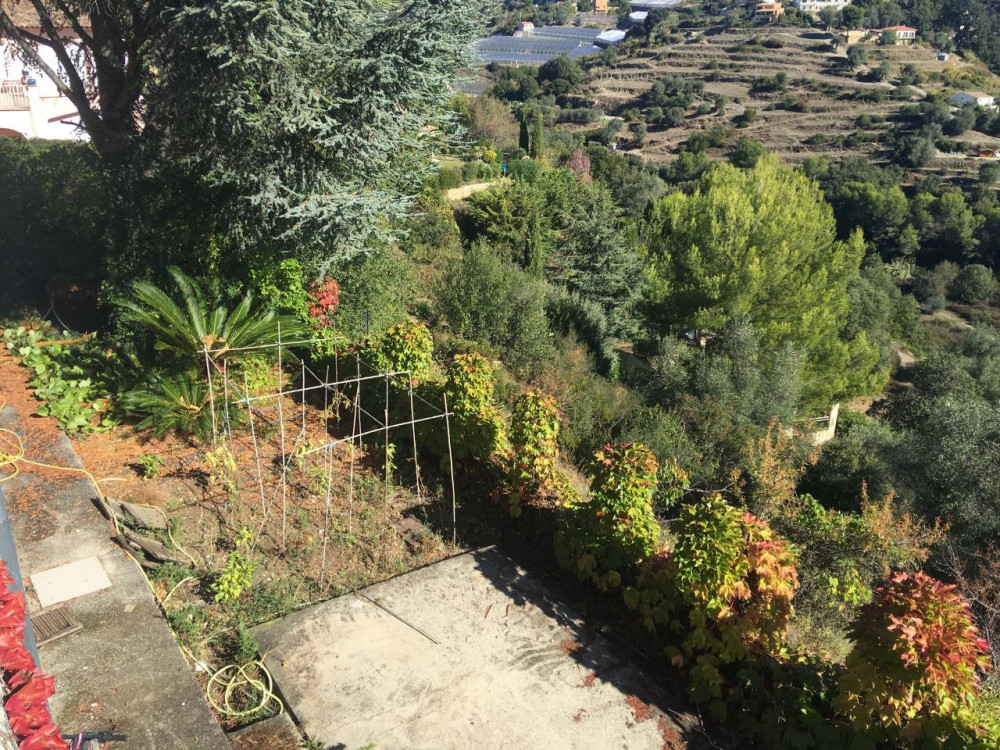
(538, 137)
(523, 138)
(762, 242)
(299, 125)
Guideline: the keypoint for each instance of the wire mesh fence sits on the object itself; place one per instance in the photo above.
(316, 418)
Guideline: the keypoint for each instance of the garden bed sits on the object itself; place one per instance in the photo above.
(212, 498)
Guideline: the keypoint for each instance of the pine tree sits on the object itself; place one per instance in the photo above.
(761, 242)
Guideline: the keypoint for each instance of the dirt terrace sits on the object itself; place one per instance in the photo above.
(814, 75)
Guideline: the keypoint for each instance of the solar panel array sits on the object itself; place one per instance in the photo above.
(537, 48)
(527, 45)
(652, 4)
(585, 49)
(514, 57)
(574, 32)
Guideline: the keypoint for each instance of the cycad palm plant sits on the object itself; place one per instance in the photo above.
(191, 324)
(172, 404)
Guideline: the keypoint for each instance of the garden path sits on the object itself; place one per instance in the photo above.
(123, 672)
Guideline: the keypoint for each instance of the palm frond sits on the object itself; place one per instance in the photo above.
(189, 323)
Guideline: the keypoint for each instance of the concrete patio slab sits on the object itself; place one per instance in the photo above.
(469, 652)
(123, 671)
(69, 581)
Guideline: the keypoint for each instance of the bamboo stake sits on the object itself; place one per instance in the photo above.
(451, 470)
(256, 449)
(284, 457)
(385, 439)
(413, 429)
(211, 393)
(225, 385)
(329, 480)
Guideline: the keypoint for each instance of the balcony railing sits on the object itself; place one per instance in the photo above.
(13, 95)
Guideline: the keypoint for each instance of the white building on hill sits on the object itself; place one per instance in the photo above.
(815, 6)
(974, 98)
(30, 104)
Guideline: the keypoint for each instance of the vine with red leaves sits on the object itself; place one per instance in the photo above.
(915, 668)
(325, 297)
(28, 687)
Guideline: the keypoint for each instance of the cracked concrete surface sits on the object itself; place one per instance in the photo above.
(469, 652)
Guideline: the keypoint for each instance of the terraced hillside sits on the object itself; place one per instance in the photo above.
(815, 111)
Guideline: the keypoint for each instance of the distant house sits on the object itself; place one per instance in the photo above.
(815, 6)
(768, 11)
(904, 34)
(524, 27)
(972, 98)
(601, 6)
(31, 105)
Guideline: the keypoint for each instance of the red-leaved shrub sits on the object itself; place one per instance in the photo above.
(914, 669)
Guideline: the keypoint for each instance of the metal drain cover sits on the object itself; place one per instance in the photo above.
(52, 623)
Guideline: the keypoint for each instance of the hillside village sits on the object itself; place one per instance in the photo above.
(446, 375)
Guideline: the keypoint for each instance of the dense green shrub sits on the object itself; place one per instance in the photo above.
(842, 555)
(663, 433)
(375, 290)
(488, 299)
(975, 285)
(54, 210)
(450, 176)
(785, 702)
(433, 234)
(568, 312)
(592, 406)
(524, 170)
(602, 538)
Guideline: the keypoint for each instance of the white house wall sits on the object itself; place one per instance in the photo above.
(44, 100)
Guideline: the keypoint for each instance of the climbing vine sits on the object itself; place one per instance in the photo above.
(478, 426)
(914, 670)
(534, 435)
(728, 585)
(324, 297)
(407, 347)
(616, 529)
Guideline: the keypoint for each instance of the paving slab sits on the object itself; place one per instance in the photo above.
(468, 652)
(123, 670)
(69, 581)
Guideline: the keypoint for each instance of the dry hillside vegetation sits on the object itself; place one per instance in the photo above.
(812, 113)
